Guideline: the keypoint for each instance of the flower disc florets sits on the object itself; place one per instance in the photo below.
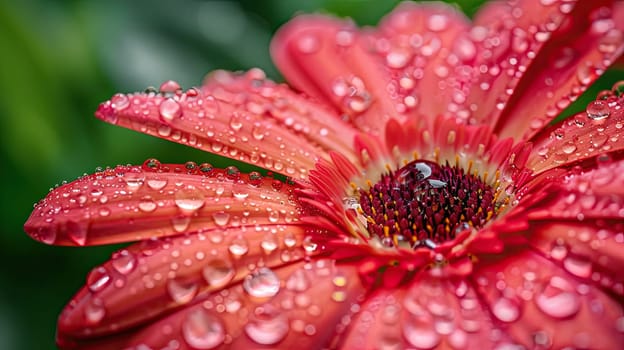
(425, 204)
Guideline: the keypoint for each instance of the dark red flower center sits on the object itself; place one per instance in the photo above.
(424, 204)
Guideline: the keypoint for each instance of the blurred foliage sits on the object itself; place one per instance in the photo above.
(59, 60)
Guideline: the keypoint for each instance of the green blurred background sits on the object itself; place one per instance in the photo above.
(58, 61)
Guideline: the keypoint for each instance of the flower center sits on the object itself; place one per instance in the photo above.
(424, 204)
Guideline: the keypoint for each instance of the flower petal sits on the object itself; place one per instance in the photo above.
(537, 58)
(433, 312)
(581, 138)
(303, 312)
(130, 203)
(373, 76)
(253, 120)
(541, 306)
(591, 252)
(157, 276)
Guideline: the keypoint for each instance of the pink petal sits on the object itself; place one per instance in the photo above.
(542, 306)
(157, 276)
(431, 313)
(253, 120)
(583, 137)
(303, 310)
(538, 58)
(372, 76)
(130, 203)
(591, 252)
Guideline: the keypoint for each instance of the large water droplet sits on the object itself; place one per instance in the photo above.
(558, 299)
(263, 283)
(94, 311)
(505, 310)
(221, 218)
(134, 178)
(120, 102)
(239, 246)
(598, 110)
(147, 205)
(169, 109)
(268, 327)
(97, 279)
(123, 262)
(202, 330)
(189, 199)
(421, 336)
(180, 291)
(218, 272)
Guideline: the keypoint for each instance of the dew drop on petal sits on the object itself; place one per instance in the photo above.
(169, 109)
(308, 44)
(134, 178)
(189, 199)
(123, 262)
(558, 299)
(263, 283)
(218, 272)
(156, 183)
(180, 223)
(181, 292)
(94, 312)
(202, 330)
(598, 110)
(147, 205)
(169, 86)
(420, 336)
(505, 310)
(578, 267)
(77, 232)
(239, 246)
(268, 327)
(221, 218)
(97, 279)
(120, 102)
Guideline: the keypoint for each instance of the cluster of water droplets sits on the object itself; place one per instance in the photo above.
(244, 117)
(593, 133)
(171, 198)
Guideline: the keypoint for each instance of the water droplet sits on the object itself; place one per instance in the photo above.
(262, 283)
(134, 178)
(268, 326)
(505, 310)
(97, 279)
(269, 243)
(94, 312)
(558, 299)
(221, 218)
(120, 102)
(170, 87)
(181, 292)
(421, 336)
(146, 204)
(568, 147)
(189, 199)
(239, 246)
(218, 272)
(437, 23)
(123, 262)
(598, 110)
(202, 330)
(577, 266)
(169, 109)
(77, 232)
(180, 223)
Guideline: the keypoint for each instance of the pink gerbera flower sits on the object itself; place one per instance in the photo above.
(432, 202)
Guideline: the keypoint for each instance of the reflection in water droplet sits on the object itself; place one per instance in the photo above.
(221, 218)
(218, 272)
(558, 299)
(169, 109)
(598, 110)
(123, 262)
(421, 336)
(263, 283)
(94, 312)
(505, 310)
(181, 292)
(202, 330)
(239, 246)
(268, 327)
(97, 279)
